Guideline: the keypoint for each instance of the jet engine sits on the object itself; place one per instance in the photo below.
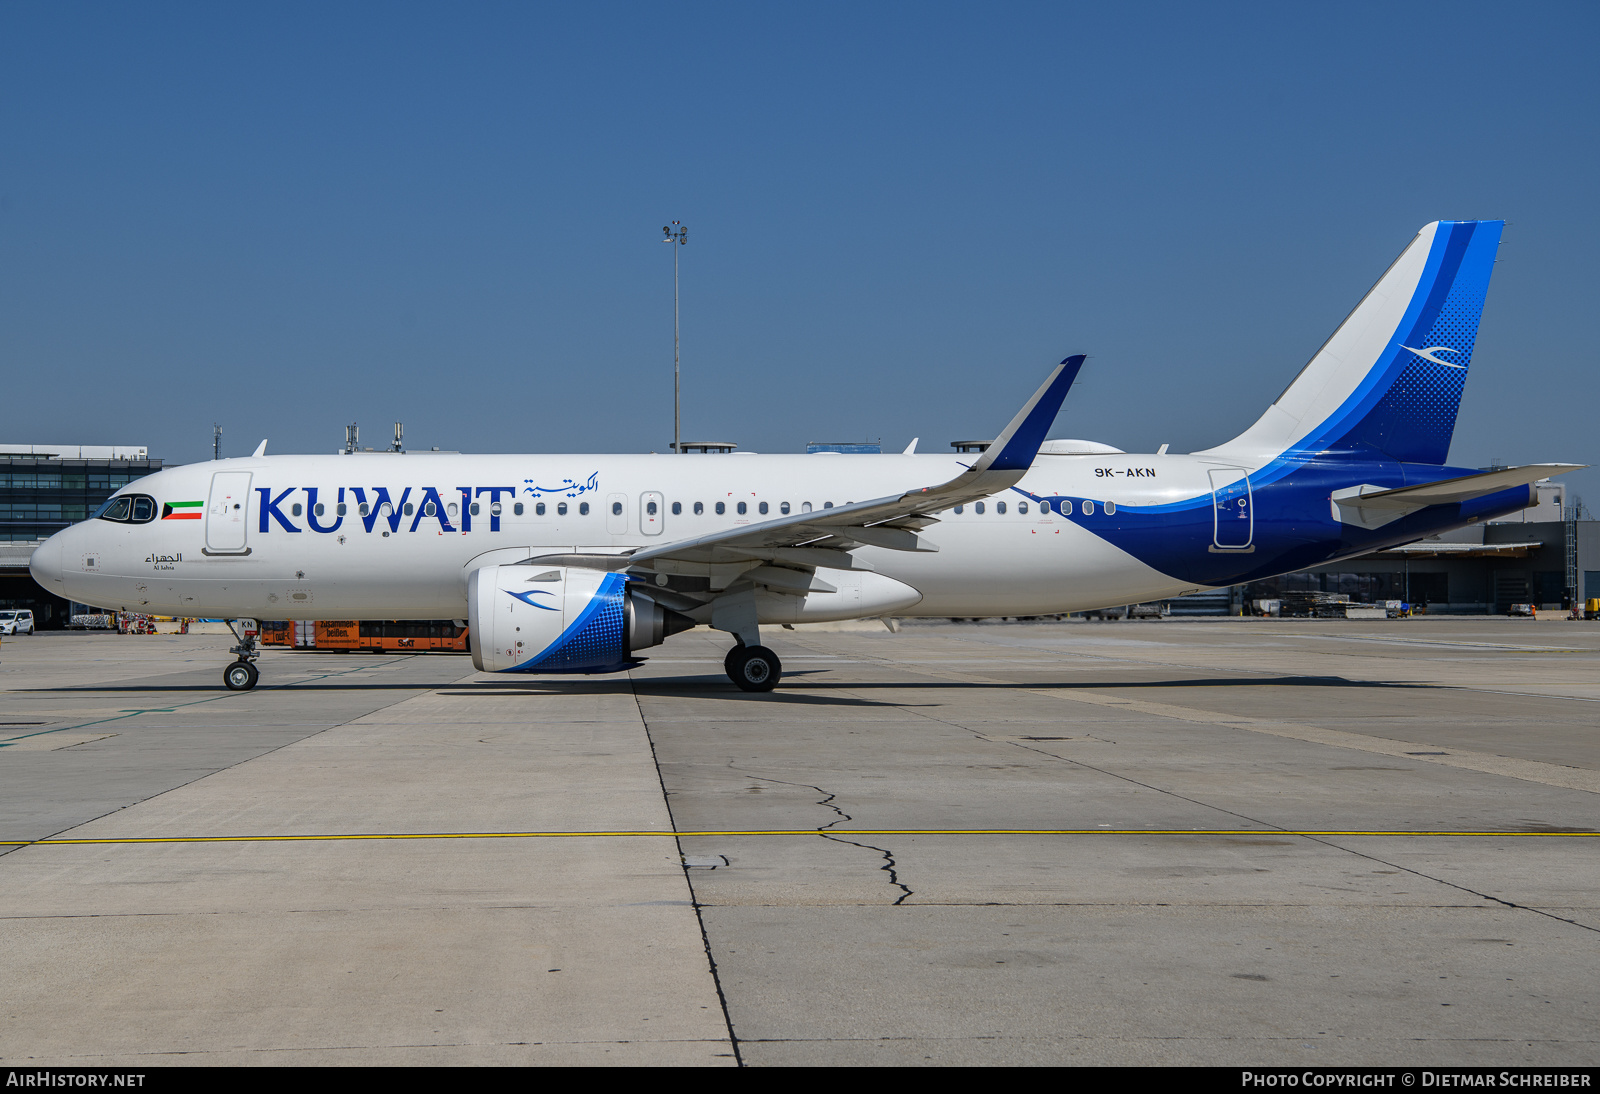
(562, 619)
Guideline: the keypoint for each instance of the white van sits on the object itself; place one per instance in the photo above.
(16, 622)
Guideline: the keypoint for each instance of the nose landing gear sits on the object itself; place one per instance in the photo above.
(242, 674)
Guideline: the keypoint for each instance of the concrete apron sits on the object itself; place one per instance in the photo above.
(459, 951)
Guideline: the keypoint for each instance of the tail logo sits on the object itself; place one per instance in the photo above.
(1428, 355)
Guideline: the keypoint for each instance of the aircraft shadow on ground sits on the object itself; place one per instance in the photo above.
(718, 687)
(1094, 685)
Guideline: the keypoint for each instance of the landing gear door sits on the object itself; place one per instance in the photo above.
(1232, 507)
(650, 506)
(228, 513)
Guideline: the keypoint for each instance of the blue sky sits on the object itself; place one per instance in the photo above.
(287, 217)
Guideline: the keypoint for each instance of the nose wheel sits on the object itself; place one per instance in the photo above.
(240, 676)
(753, 668)
(243, 674)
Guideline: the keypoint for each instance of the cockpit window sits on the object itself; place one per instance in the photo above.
(129, 509)
(116, 509)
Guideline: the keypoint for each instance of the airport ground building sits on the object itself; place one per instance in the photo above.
(45, 488)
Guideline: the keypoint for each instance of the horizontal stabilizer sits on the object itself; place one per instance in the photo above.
(1373, 507)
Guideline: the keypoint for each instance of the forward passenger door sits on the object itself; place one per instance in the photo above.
(228, 513)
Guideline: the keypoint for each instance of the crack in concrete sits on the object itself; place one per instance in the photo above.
(1268, 826)
(827, 800)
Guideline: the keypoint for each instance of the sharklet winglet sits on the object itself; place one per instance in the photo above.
(1016, 447)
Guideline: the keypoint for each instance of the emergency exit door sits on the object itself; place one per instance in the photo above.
(617, 515)
(650, 512)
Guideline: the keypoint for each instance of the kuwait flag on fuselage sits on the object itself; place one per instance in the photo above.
(181, 510)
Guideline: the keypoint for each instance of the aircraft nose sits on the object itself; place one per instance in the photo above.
(45, 565)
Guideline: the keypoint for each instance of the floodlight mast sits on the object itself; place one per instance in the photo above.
(675, 233)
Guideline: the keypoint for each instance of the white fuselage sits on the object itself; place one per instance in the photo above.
(258, 548)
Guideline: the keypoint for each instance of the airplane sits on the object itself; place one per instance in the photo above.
(575, 563)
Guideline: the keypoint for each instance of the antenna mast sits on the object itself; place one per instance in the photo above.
(675, 233)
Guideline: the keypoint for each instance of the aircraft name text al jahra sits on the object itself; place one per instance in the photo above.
(575, 563)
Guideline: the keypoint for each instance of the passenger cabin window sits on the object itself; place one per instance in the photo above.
(677, 508)
(699, 508)
(999, 507)
(721, 508)
(742, 509)
(978, 508)
(960, 509)
(1022, 507)
(318, 509)
(784, 508)
(453, 509)
(805, 507)
(1111, 508)
(409, 509)
(516, 509)
(827, 505)
(538, 509)
(296, 510)
(341, 509)
(561, 508)
(616, 508)
(494, 508)
(762, 508)
(473, 509)
(427, 510)
(650, 508)
(1088, 508)
(583, 508)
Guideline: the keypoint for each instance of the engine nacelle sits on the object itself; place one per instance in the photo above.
(562, 619)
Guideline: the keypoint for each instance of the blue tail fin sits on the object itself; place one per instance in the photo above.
(1389, 380)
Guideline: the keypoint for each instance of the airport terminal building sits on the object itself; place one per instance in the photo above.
(43, 489)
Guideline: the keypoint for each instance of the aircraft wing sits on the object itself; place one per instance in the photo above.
(894, 521)
(823, 537)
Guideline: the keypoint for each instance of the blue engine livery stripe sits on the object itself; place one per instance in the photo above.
(595, 641)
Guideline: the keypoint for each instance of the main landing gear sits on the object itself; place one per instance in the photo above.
(753, 668)
(242, 674)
